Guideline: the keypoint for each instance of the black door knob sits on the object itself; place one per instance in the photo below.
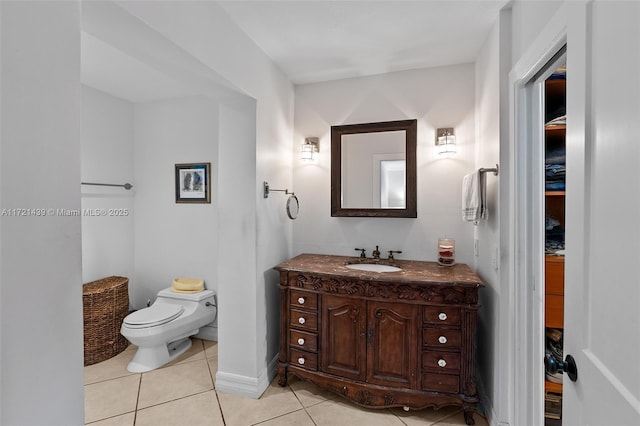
(569, 366)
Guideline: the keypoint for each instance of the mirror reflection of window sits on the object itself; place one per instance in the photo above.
(392, 184)
(362, 154)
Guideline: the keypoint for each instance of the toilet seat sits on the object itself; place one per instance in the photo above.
(153, 316)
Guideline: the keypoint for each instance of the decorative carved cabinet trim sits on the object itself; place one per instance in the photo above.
(396, 339)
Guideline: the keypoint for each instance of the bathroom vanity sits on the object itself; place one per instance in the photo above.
(380, 339)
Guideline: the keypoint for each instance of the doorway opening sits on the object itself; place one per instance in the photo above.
(530, 206)
(555, 119)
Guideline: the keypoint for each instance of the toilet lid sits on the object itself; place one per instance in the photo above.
(154, 315)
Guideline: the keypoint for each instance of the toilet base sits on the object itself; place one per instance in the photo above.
(152, 357)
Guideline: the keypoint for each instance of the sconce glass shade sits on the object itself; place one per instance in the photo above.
(309, 149)
(446, 141)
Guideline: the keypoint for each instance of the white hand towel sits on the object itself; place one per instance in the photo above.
(473, 197)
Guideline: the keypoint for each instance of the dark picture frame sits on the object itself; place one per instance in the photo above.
(193, 183)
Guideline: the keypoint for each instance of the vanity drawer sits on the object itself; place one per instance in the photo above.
(441, 337)
(303, 340)
(303, 359)
(440, 382)
(304, 300)
(443, 315)
(303, 319)
(442, 361)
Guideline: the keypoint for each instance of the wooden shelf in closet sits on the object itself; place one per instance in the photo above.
(552, 387)
(554, 291)
(555, 128)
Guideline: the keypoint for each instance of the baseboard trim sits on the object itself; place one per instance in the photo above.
(251, 387)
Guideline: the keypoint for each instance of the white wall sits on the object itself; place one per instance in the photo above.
(237, 250)
(173, 239)
(492, 65)
(41, 346)
(436, 97)
(209, 35)
(528, 21)
(107, 157)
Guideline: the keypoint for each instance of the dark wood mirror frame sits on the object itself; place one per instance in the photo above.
(410, 128)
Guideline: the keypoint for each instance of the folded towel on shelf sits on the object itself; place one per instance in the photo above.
(473, 197)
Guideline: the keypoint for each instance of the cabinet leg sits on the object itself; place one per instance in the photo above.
(282, 375)
(282, 380)
(468, 417)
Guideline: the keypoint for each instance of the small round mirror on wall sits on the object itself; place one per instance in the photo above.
(293, 207)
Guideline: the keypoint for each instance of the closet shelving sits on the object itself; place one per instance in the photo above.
(555, 155)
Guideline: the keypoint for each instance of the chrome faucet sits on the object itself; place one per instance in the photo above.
(376, 253)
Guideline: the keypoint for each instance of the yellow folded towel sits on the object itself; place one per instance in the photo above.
(187, 285)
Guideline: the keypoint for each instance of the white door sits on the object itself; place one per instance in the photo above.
(602, 275)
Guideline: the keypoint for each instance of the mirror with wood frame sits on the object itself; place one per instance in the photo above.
(373, 169)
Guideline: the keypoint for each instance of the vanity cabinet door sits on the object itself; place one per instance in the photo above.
(393, 344)
(344, 337)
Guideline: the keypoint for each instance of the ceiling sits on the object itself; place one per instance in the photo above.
(112, 71)
(313, 41)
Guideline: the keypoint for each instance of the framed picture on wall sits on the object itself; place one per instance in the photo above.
(193, 183)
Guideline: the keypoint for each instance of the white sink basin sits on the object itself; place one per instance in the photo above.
(373, 267)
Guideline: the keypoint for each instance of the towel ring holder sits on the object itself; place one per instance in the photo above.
(293, 206)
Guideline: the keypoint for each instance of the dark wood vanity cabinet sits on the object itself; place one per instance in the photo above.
(369, 340)
(397, 339)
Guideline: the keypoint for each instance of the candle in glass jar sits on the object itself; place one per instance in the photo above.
(446, 251)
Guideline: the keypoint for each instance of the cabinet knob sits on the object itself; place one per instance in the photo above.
(301, 320)
(301, 361)
(301, 341)
(442, 339)
(442, 362)
(301, 300)
(442, 316)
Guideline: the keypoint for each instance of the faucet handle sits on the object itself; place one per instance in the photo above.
(362, 253)
(393, 251)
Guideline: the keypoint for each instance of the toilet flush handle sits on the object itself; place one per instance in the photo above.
(208, 304)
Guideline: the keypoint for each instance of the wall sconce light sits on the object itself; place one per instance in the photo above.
(445, 141)
(309, 149)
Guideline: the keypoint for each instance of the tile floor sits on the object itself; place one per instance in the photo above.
(183, 393)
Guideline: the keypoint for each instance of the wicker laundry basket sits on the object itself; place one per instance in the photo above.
(105, 303)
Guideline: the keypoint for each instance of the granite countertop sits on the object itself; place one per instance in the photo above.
(413, 271)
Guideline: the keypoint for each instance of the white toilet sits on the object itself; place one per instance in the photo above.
(162, 330)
